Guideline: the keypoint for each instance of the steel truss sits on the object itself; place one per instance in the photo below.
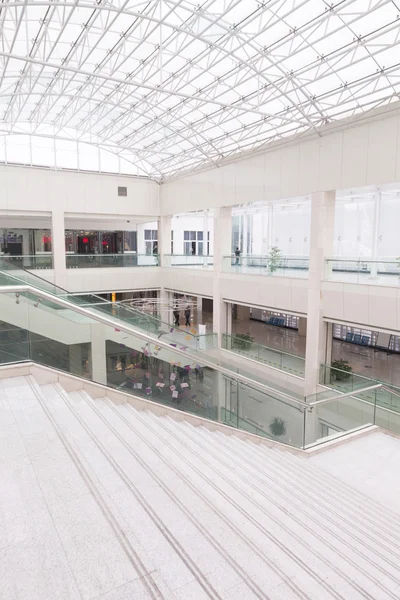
(162, 87)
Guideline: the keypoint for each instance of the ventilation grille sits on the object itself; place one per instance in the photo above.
(122, 191)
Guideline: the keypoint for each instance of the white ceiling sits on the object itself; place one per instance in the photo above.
(160, 87)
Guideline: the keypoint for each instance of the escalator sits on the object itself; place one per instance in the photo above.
(118, 346)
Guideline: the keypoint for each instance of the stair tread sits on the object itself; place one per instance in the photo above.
(129, 504)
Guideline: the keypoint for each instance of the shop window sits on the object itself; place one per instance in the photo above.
(193, 243)
(151, 241)
(130, 241)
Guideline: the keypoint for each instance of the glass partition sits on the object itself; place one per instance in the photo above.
(363, 271)
(343, 381)
(270, 356)
(30, 261)
(188, 261)
(336, 415)
(263, 265)
(101, 261)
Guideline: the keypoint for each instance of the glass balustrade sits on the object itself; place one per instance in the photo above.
(269, 356)
(102, 261)
(54, 332)
(363, 271)
(333, 415)
(284, 266)
(387, 396)
(29, 261)
(189, 261)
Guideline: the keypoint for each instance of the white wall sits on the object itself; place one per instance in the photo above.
(354, 227)
(373, 305)
(355, 153)
(109, 279)
(27, 189)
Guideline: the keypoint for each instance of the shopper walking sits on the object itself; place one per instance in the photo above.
(187, 316)
(237, 254)
(176, 317)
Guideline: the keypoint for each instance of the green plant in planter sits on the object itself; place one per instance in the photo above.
(277, 427)
(343, 372)
(274, 257)
(242, 341)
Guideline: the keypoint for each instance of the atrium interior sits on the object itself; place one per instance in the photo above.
(200, 300)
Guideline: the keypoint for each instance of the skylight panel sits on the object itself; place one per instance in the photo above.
(173, 87)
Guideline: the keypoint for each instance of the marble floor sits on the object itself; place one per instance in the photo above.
(100, 501)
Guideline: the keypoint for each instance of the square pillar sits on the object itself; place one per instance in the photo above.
(222, 246)
(164, 239)
(58, 245)
(321, 246)
(165, 312)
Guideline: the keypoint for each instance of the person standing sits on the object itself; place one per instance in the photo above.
(176, 317)
(237, 254)
(187, 316)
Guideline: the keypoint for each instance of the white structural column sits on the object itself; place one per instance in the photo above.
(375, 241)
(164, 238)
(321, 246)
(58, 245)
(98, 352)
(164, 247)
(222, 246)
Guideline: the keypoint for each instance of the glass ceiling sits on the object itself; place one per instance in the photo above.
(161, 87)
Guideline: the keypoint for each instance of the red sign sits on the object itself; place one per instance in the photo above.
(85, 240)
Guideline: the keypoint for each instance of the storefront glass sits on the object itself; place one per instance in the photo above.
(27, 242)
(100, 242)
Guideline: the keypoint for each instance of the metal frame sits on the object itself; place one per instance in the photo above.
(160, 88)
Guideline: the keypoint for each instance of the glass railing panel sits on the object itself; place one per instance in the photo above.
(14, 343)
(63, 338)
(28, 261)
(337, 416)
(284, 266)
(363, 271)
(188, 261)
(100, 261)
(8, 279)
(241, 344)
(233, 420)
(263, 413)
(389, 397)
(343, 381)
(18, 275)
(296, 365)
(152, 325)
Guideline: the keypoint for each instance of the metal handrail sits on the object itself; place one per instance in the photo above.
(129, 330)
(347, 395)
(72, 254)
(391, 391)
(360, 260)
(266, 257)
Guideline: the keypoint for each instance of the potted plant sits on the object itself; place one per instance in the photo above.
(242, 341)
(340, 370)
(274, 258)
(277, 427)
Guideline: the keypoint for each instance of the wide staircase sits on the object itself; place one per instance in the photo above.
(103, 501)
